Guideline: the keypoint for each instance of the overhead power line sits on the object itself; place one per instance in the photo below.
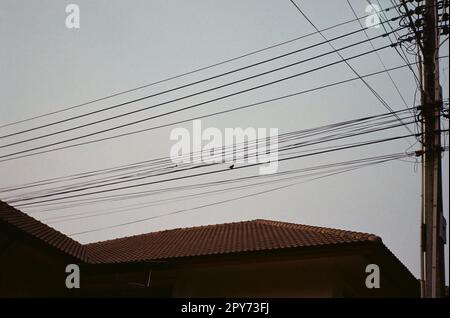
(199, 206)
(196, 105)
(335, 131)
(14, 157)
(174, 189)
(163, 162)
(372, 90)
(294, 174)
(397, 89)
(372, 142)
(193, 94)
(183, 74)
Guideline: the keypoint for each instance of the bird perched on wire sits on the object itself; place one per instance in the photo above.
(232, 166)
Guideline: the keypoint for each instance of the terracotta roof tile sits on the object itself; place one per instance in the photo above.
(41, 231)
(227, 238)
(246, 236)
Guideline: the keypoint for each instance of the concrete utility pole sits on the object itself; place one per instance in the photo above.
(434, 224)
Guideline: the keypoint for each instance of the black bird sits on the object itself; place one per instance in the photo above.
(232, 166)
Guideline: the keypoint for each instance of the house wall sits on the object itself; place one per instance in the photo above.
(291, 277)
(27, 270)
(313, 278)
(327, 275)
(30, 269)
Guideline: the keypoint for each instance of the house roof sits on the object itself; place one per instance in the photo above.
(246, 236)
(41, 231)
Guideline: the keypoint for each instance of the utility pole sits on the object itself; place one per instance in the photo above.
(434, 224)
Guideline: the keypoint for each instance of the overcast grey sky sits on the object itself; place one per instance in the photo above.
(124, 44)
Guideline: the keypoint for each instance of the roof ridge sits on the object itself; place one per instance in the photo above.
(321, 229)
(311, 228)
(189, 228)
(219, 239)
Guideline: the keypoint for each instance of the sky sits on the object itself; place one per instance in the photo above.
(120, 45)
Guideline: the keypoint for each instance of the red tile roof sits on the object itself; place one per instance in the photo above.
(257, 235)
(247, 236)
(41, 231)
